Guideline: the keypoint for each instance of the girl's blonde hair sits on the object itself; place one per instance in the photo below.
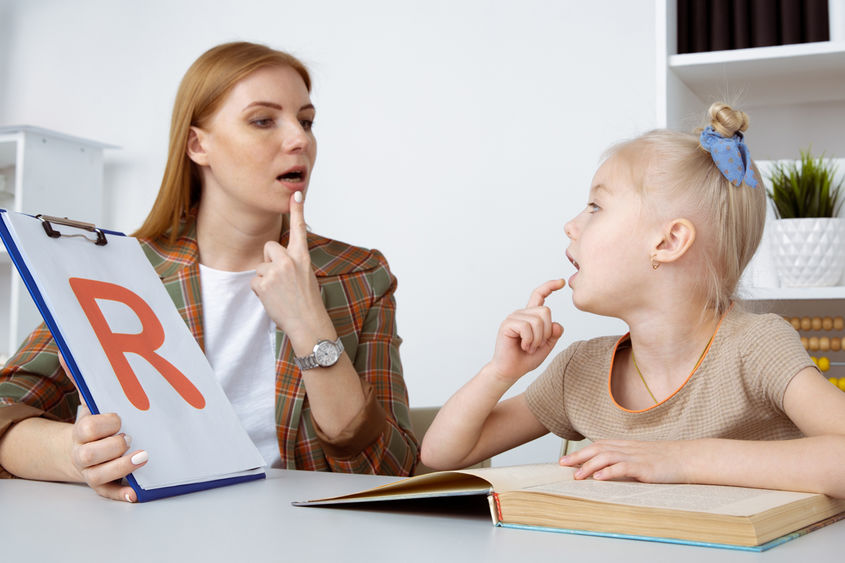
(202, 90)
(729, 219)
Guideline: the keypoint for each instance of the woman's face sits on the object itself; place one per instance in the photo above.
(258, 148)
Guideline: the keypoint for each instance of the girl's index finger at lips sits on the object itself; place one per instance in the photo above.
(539, 295)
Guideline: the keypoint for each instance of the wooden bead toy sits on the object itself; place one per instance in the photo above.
(842, 383)
(838, 323)
(824, 343)
(795, 322)
(806, 323)
(814, 343)
(805, 342)
(827, 323)
(824, 364)
(835, 344)
(816, 323)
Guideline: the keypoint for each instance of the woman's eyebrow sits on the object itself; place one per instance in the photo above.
(263, 104)
(274, 105)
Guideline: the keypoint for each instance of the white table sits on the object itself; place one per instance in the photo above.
(256, 522)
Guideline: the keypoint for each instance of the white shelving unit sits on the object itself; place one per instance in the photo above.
(795, 96)
(45, 172)
(793, 93)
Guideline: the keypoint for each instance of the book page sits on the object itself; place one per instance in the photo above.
(734, 501)
(455, 483)
(518, 477)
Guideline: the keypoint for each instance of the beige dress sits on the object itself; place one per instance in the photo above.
(736, 391)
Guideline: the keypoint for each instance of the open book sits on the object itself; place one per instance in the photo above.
(130, 352)
(547, 497)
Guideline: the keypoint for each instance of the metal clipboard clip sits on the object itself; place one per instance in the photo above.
(53, 233)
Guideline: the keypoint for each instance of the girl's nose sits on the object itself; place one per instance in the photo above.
(569, 229)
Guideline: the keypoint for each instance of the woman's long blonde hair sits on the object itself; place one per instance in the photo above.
(202, 90)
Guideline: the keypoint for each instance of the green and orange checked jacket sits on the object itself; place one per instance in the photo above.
(357, 288)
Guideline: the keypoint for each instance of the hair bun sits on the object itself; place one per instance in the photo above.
(727, 121)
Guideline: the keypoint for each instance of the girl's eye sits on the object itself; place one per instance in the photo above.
(306, 124)
(592, 207)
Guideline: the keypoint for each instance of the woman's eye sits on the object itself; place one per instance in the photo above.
(262, 123)
(306, 124)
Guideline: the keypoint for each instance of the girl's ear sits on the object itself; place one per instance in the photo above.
(677, 239)
(195, 147)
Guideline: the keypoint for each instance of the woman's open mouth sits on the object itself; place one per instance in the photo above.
(293, 176)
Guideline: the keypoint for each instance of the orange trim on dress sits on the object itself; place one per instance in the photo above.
(700, 360)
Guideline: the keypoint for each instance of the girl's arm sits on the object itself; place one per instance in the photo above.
(473, 425)
(812, 464)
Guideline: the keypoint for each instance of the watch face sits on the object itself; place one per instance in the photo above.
(326, 353)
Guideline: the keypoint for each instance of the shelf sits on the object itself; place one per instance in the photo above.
(790, 293)
(779, 75)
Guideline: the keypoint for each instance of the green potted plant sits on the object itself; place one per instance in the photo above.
(809, 237)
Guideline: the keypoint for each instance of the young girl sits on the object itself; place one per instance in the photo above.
(300, 329)
(698, 391)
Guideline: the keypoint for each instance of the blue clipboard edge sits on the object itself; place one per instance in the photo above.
(144, 495)
(32, 287)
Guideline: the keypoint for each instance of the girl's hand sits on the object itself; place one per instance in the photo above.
(288, 289)
(97, 451)
(526, 336)
(649, 462)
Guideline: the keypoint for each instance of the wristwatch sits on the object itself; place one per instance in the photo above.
(326, 353)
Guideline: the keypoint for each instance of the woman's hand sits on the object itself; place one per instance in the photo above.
(97, 451)
(526, 336)
(288, 289)
(649, 462)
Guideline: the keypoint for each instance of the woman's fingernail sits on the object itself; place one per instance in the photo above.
(128, 498)
(139, 458)
(297, 196)
(128, 439)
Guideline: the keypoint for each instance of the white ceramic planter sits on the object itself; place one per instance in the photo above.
(809, 252)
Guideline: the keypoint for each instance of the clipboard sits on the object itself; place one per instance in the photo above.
(130, 352)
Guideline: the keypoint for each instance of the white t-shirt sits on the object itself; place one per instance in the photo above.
(240, 343)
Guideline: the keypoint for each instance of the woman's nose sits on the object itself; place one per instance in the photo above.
(295, 138)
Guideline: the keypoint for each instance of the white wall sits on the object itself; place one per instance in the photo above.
(457, 137)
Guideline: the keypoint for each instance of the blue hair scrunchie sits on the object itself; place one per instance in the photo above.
(730, 155)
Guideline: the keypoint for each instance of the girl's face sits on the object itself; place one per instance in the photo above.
(258, 148)
(610, 242)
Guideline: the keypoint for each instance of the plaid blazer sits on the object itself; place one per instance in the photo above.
(357, 288)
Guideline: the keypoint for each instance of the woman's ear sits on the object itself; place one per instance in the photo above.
(195, 147)
(677, 239)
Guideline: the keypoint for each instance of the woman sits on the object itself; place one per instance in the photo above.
(280, 312)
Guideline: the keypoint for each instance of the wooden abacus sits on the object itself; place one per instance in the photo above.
(832, 343)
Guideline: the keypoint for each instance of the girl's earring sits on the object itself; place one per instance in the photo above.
(654, 264)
